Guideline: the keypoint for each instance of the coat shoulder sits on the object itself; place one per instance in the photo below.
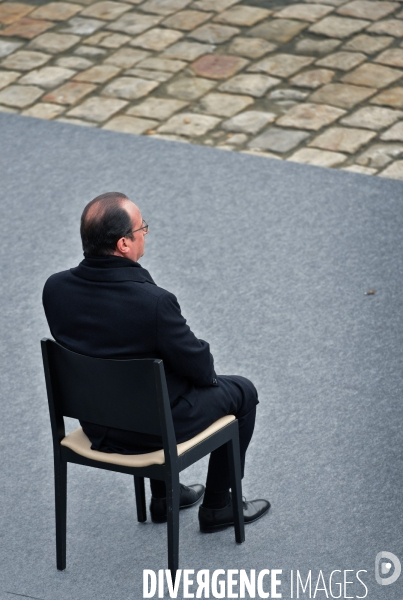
(56, 279)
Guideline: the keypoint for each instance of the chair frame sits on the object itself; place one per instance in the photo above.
(60, 406)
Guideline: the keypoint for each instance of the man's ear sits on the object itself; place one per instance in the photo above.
(121, 246)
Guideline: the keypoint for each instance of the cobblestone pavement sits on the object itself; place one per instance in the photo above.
(316, 82)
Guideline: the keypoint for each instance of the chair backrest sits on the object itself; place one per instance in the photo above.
(126, 394)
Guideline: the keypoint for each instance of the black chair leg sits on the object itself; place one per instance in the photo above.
(140, 499)
(236, 487)
(61, 511)
(173, 525)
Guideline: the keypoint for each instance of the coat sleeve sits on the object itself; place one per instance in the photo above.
(179, 347)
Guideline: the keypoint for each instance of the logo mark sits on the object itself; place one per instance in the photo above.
(383, 568)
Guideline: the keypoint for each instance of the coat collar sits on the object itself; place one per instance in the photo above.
(111, 268)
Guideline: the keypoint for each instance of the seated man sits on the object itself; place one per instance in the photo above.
(110, 307)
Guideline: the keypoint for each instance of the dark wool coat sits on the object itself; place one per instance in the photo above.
(110, 307)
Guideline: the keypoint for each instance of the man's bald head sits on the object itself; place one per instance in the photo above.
(103, 222)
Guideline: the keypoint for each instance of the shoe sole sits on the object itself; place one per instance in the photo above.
(216, 528)
(164, 519)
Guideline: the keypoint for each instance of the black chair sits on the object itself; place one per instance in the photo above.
(132, 395)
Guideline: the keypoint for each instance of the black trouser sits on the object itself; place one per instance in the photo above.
(235, 395)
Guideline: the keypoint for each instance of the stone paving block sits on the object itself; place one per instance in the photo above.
(343, 95)
(338, 27)
(278, 140)
(172, 138)
(189, 124)
(126, 57)
(368, 9)
(74, 62)
(251, 85)
(25, 60)
(186, 19)
(115, 40)
(126, 124)
(13, 11)
(161, 76)
(216, 5)
(394, 171)
(304, 12)
(345, 61)
(238, 138)
(282, 65)
(107, 40)
(214, 34)
(106, 10)
(388, 27)
(95, 40)
(47, 77)
(164, 7)
(42, 110)
(20, 96)
(162, 64)
(129, 88)
(308, 46)
(90, 52)
(261, 153)
(76, 122)
(80, 26)
(373, 117)
(392, 57)
(98, 74)
(156, 108)
(392, 97)
(343, 139)
(218, 66)
(26, 28)
(330, 2)
(395, 133)
(244, 16)
(134, 23)
(380, 155)
(97, 109)
(157, 39)
(7, 47)
(373, 76)
(189, 88)
(56, 11)
(250, 47)
(310, 116)
(319, 158)
(69, 93)
(288, 94)
(312, 79)
(187, 50)
(8, 109)
(279, 30)
(250, 121)
(369, 44)
(224, 105)
(54, 42)
(7, 77)
(359, 169)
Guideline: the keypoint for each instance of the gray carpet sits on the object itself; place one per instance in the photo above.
(270, 262)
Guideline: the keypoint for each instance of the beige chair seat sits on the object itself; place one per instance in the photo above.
(79, 443)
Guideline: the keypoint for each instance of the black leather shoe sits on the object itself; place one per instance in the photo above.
(189, 495)
(217, 519)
